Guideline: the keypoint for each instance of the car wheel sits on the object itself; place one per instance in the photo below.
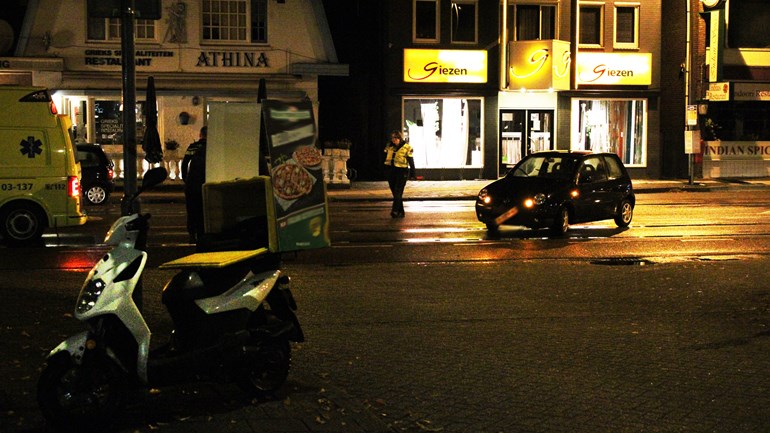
(96, 194)
(22, 223)
(624, 214)
(561, 223)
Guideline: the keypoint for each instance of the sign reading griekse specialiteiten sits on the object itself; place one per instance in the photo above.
(445, 66)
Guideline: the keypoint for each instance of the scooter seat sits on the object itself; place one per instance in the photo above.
(191, 284)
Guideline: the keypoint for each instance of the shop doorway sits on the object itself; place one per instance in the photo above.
(523, 132)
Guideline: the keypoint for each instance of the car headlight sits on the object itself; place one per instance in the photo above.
(538, 199)
(89, 295)
(484, 196)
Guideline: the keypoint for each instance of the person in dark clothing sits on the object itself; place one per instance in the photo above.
(194, 176)
(399, 163)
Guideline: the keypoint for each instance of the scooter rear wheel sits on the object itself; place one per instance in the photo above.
(78, 398)
(266, 367)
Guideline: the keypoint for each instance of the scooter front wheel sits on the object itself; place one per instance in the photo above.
(80, 398)
(265, 367)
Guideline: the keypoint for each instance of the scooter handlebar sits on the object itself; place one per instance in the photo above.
(141, 223)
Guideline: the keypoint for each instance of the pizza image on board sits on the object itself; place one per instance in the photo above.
(307, 156)
(291, 181)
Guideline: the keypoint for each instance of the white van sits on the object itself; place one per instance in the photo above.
(39, 174)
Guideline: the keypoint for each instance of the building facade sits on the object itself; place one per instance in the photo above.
(199, 52)
(478, 85)
(441, 85)
(733, 70)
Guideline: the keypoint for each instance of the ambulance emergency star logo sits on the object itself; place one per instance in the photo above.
(31, 147)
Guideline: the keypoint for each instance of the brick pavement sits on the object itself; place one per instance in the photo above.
(35, 317)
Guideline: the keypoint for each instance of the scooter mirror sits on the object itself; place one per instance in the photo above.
(154, 176)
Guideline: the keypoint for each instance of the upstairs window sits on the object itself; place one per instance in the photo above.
(531, 22)
(626, 26)
(425, 25)
(108, 29)
(464, 21)
(753, 16)
(234, 21)
(591, 25)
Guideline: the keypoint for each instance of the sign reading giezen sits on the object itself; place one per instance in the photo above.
(445, 66)
(612, 69)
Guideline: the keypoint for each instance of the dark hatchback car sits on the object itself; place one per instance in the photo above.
(557, 188)
(97, 173)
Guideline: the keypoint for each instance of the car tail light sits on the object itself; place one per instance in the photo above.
(73, 186)
(110, 173)
(53, 108)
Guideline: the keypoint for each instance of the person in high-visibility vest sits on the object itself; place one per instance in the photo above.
(399, 164)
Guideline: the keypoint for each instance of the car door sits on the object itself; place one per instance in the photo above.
(618, 182)
(594, 199)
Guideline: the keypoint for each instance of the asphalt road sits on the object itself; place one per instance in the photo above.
(663, 327)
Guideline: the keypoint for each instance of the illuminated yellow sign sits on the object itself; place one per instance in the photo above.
(539, 65)
(606, 69)
(445, 66)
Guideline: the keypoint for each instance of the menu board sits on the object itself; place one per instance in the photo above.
(295, 169)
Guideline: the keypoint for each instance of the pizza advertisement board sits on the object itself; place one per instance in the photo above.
(299, 191)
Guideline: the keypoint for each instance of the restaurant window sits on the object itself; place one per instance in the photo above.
(425, 24)
(753, 16)
(444, 132)
(464, 21)
(108, 29)
(737, 121)
(234, 21)
(591, 25)
(531, 22)
(108, 122)
(626, 26)
(611, 125)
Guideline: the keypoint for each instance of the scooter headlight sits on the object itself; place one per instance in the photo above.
(89, 295)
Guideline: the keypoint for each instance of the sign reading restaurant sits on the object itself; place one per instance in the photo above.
(445, 66)
(206, 59)
(614, 69)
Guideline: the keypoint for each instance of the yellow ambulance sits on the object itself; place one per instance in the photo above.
(39, 173)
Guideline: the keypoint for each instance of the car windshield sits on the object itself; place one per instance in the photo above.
(555, 167)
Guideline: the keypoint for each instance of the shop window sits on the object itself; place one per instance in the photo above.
(464, 21)
(234, 21)
(444, 132)
(425, 24)
(531, 22)
(626, 26)
(753, 16)
(108, 29)
(591, 25)
(737, 121)
(108, 122)
(611, 125)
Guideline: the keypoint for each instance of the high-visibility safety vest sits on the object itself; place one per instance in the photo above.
(398, 157)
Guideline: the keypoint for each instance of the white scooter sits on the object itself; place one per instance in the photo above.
(233, 322)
